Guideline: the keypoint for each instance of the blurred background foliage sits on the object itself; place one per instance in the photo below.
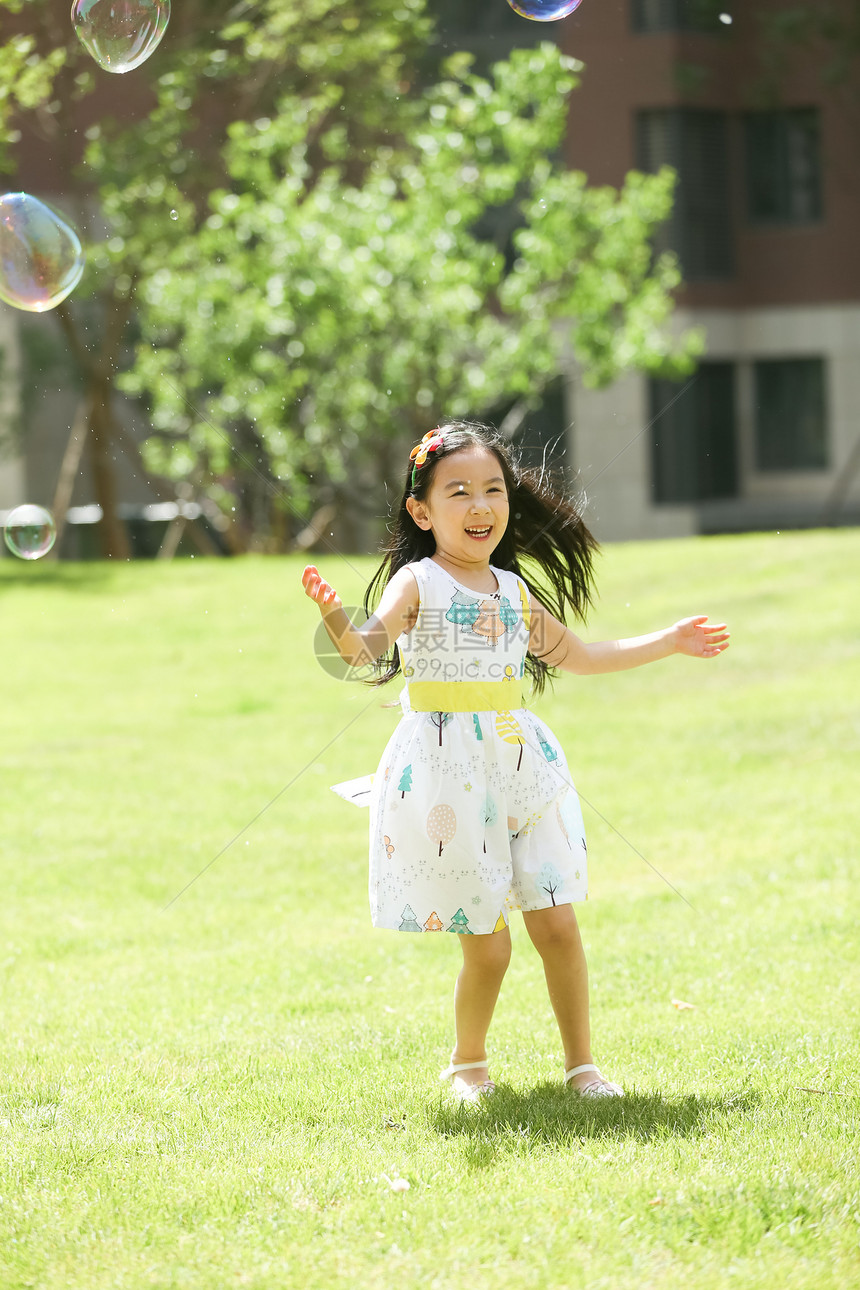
(321, 234)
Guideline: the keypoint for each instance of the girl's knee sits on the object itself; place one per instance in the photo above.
(553, 929)
(490, 953)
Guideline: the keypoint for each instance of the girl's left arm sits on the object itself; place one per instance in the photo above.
(554, 643)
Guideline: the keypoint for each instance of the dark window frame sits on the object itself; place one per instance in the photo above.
(776, 190)
(694, 436)
(791, 425)
(697, 143)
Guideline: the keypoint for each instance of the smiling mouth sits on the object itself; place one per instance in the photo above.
(480, 533)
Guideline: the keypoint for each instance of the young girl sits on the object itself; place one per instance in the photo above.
(473, 812)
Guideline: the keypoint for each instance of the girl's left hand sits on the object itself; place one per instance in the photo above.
(699, 638)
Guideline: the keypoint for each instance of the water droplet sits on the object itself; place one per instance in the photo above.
(544, 10)
(29, 532)
(120, 34)
(41, 257)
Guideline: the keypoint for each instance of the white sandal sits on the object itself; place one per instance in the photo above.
(598, 1087)
(467, 1092)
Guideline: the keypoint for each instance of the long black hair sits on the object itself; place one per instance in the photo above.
(545, 531)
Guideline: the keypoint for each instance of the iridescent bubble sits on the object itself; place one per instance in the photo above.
(120, 34)
(174, 214)
(41, 257)
(29, 531)
(544, 10)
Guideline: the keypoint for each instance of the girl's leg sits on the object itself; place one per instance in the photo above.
(555, 935)
(485, 961)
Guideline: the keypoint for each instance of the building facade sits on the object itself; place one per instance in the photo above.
(760, 117)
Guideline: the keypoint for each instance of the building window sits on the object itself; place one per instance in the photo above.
(693, 452)
(677, 15)
(542, 437)
(783, 166)
(790, 414)
(694, 141)
(538, 425)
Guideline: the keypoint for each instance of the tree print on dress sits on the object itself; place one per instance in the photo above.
(441, 719)
(434, 923)
(460, 924)
(509, 729)
(549, 880)
(490, 816)
(478, 734)
(561, 824)
(405, 785)
(409, 922)
(441, 825)
(546, 747)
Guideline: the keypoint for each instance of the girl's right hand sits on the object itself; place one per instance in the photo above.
(319, 590)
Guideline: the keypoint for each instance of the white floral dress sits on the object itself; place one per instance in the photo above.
(472, 811)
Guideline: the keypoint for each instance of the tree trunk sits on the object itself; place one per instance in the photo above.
(314, 531)
(228, 529)
(112, 531)
(172, 537)
(68, 472)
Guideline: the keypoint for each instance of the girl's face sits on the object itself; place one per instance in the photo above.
(466, 506)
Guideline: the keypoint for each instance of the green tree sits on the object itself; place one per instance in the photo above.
(490, 812)
(409, 922)
(460, 924)
(296, 235)
(217, 64)
(325, 324)
(549, 880)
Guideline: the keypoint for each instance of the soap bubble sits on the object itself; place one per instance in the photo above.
(120, 34)
(30, 532)
(544, 10)
(41, 257)
(174, 214)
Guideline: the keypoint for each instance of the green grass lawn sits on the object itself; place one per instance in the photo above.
(218, 1089)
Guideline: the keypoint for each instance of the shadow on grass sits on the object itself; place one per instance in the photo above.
(511, 1120)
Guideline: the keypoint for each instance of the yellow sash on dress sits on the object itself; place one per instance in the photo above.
(465, 696)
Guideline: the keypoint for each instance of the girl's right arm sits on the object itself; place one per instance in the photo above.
(395, 613)
(559, 647)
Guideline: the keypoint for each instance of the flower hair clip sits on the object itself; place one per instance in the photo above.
(431, 442)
